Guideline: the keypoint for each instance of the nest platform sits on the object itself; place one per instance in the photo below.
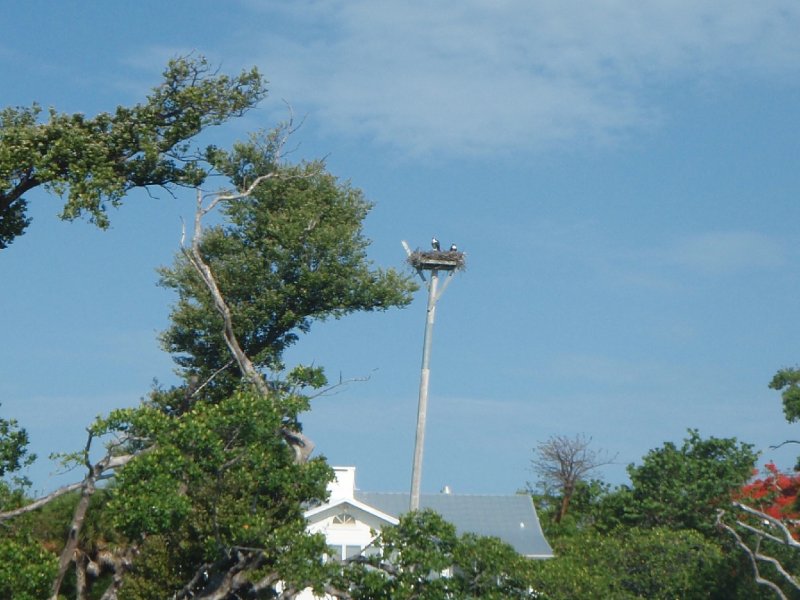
(437, 260)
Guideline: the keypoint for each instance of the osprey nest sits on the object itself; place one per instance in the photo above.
(437, 260)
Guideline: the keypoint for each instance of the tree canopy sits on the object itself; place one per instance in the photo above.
(655, 537)
(682, 486)
(14, 453)
(424, 558)
(95, 161)
(202, 488)
(290, 253)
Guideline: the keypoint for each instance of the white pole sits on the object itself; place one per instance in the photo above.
(416, 471)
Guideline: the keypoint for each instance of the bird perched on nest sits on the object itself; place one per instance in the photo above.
(453, 248)
(435, 244)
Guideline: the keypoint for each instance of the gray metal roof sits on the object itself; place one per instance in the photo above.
(511, 518)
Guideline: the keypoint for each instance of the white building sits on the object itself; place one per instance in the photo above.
(351, 519)
(350, 516)
(347, 523)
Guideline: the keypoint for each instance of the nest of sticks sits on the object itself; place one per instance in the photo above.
(449, 260)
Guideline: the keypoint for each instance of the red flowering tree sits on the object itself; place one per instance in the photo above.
(774, 494)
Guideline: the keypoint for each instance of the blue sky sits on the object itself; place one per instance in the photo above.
(623, 177)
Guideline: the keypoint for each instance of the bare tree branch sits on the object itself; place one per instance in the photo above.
(40, 502)
(754, 554)
(107, 464)
(88, 487)
(784, 443)
(787, 538)
(562, 462)
(212, 376)
(752, 557)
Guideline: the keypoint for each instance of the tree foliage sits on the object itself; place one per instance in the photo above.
(787, 381)
(424, 558)
(14, 453)
(655, 537)
(291, 253)
(220, 485)
(202, 488)
(26, 568)
(632, 563)
(94, 161)
(681, 487)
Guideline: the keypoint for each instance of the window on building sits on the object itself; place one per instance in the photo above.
(343, 518)
(335, 552)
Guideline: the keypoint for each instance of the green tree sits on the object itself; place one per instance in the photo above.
(14, 453)
(673, 498)
(423, 557)
(94, 162)
(787, 381)
(587, 507)
(490, 569)
(219, 493)
(681, 487)
(290, 253)
(632, 563)
(207, 482)
(26, 568)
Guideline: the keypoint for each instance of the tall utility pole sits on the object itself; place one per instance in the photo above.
(433, 262)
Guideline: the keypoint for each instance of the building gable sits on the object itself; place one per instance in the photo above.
(352, 517)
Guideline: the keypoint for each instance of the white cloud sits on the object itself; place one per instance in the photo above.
(478, 77)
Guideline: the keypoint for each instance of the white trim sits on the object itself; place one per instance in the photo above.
(355, 504)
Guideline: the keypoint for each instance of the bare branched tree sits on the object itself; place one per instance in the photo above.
(561, 462)
(753, 531)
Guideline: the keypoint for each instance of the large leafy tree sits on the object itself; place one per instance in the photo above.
(216, 505)
(681, 487)
(657, 536)
(94, 161)
(205, 483)
(290, 253)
